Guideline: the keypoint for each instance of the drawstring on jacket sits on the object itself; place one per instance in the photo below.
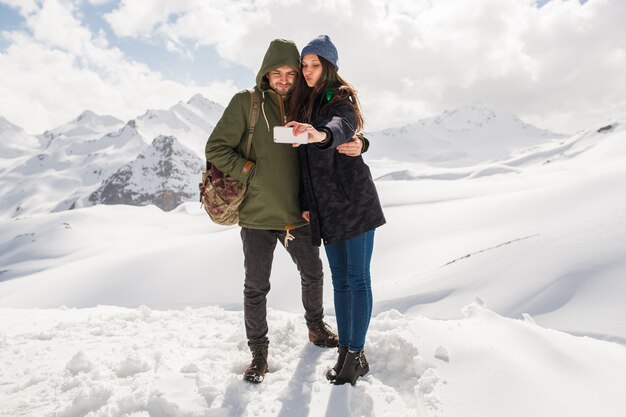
(263, 110)
(288, 237)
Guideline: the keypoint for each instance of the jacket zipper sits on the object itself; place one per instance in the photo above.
(283, 117)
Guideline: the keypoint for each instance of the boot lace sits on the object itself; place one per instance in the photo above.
(258, 359)
(324, 329)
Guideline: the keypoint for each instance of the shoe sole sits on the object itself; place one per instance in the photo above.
(324, 345)
(253, 379)
(343, 381)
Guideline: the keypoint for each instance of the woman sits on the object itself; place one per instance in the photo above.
(339, 198)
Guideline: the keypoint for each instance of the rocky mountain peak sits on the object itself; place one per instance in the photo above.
(164, 174)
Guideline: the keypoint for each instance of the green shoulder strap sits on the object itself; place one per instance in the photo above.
(253, 116)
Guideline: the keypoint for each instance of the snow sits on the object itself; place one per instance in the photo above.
(66, 172)
(498, 287)
(15, 144)
(159, 175)
(63, 167)
(462, 137)
(191, 123)
(112, 361)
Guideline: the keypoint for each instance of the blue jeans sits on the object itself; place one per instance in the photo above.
(350, 268)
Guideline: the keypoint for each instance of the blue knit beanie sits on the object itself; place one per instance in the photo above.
(324, 47)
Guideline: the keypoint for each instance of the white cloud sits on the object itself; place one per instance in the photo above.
(61, 68)
(55, 26)
(140, 18)
(559, 66)
(24, 6)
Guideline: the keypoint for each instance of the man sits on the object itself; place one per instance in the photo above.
(270, 211)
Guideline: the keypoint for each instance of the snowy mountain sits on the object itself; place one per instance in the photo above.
(536, 231)
(76, 161)
(72, 164)
(65, 168)
(87, 126)
(159, 175)
(191, 123)
(544, 153)
(545, 240)
(466, 136)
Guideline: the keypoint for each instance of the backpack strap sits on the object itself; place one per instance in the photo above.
(253, 117)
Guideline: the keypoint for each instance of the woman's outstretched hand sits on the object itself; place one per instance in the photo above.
(314, 135)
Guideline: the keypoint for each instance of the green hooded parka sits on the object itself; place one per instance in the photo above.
(272, 172)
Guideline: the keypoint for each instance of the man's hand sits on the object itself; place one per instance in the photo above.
(352, 148)
(306, 215)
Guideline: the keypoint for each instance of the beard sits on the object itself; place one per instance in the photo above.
(284, 89)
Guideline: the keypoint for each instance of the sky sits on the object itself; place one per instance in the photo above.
(557, 64)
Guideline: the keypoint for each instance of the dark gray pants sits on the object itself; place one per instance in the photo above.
(258, 251)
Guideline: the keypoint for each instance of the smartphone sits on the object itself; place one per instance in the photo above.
(284, 134)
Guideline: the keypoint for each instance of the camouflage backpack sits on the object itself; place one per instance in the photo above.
(221, 195)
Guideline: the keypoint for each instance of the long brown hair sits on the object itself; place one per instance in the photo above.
(300, 103)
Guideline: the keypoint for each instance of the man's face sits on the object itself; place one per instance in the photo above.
(281, 79)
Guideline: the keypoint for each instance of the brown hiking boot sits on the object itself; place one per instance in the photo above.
(258, 367)
(321, 335)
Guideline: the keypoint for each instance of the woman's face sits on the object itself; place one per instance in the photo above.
(311, 69)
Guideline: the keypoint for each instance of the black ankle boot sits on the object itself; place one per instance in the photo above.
(332, 373)
(354, 366)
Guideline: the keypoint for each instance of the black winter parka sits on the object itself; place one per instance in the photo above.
(337, 190)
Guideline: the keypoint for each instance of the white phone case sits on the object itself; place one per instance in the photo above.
(284, 134)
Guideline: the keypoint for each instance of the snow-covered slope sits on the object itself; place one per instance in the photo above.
(466, 136)
(117, 362)
(543, 153)
(546, 241)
